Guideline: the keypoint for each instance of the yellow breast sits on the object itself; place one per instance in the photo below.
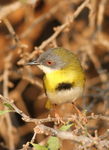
(52, 79)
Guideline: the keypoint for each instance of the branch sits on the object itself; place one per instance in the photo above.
(85, 140)
(6, 10)
(65, 25)
(9, 9)
(59, 29)
(39, 19)
(65, 135)
(9, 101)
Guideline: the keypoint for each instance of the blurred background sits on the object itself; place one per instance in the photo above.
(24, 26)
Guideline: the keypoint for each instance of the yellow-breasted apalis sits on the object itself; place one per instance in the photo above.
(64, 77)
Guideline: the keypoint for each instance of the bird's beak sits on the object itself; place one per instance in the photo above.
(32, 63)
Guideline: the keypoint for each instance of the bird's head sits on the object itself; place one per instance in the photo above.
(55, 59)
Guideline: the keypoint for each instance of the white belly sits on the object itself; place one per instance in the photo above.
(64, 96)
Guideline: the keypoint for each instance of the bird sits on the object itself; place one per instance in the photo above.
(64, 77)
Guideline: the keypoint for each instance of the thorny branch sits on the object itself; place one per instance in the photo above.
(84, 33)
(84, 140)
(10, 128)
(42, 129)
(59, 29)
(48, 119)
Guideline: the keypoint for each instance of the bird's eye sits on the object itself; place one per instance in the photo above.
(49, 62)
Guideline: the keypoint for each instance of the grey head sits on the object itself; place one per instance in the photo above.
(51, 59)
(54, 59)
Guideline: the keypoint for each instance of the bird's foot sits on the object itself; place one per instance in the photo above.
(81, 115)
(59, 119)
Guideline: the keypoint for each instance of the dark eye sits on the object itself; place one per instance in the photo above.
(49, 62)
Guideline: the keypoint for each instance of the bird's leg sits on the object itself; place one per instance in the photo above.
(55, 112)
(57, 115)
(77, 110)
(81, 114)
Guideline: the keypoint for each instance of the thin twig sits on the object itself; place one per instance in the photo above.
(83, 139)
(26, 118)
(59, 29)
(13, 34)
(9, 9)
(101, 14)
(39, 19)
(5, 93)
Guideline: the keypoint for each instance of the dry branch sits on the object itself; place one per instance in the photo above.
(84, 27)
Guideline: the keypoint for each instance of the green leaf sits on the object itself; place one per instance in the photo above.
(9, 106)
(66, 127)
(2, 112)
(53, 143)
(39, 147)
